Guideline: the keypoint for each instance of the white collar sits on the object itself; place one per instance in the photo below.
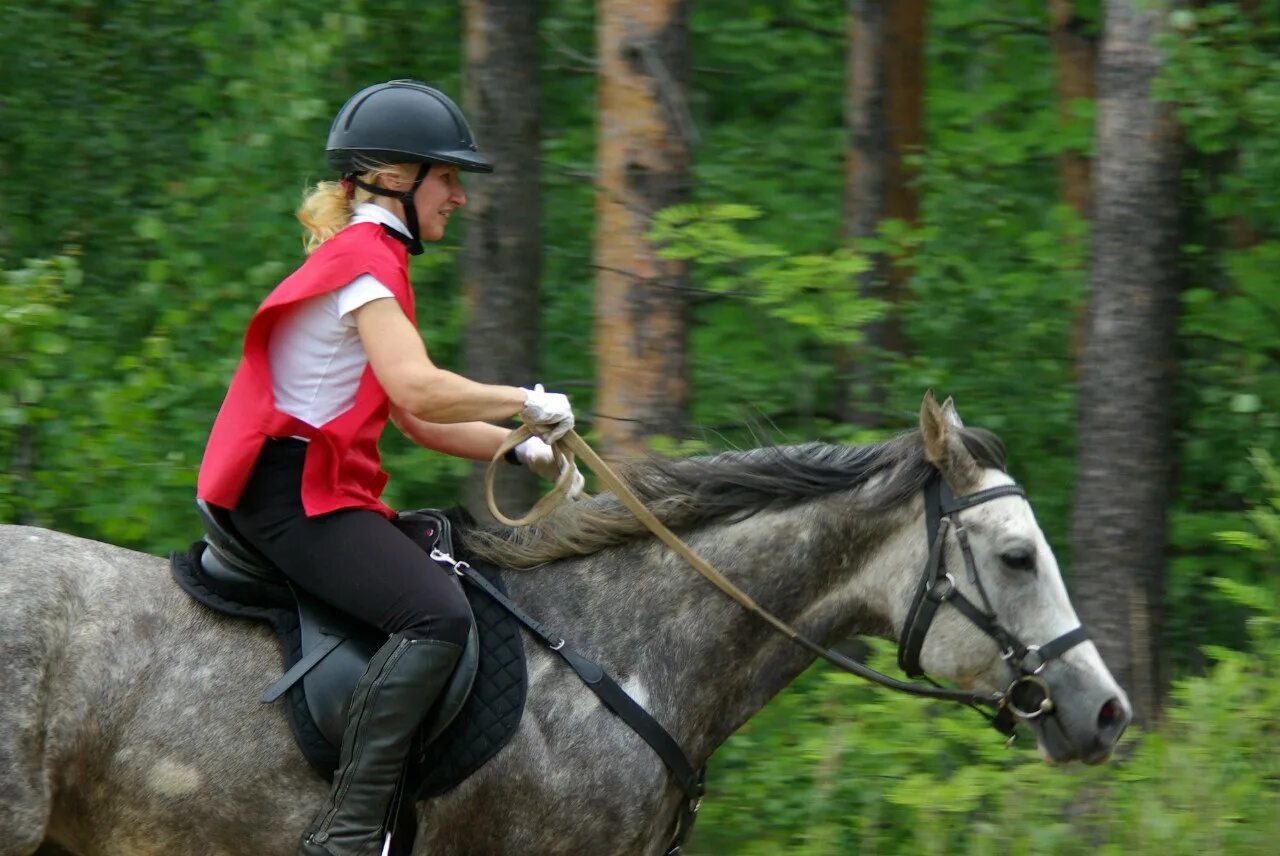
(369, 212)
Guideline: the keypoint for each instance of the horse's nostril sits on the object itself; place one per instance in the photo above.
(1112, 717)
(1108, 713)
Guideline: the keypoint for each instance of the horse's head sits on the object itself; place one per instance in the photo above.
(999, 562)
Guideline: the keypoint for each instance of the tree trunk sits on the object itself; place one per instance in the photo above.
(1075, 58)
(644, 141)
(501, 251)
(1126, 443)
(884, 111)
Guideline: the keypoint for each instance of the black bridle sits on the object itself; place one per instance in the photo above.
(1027, 697)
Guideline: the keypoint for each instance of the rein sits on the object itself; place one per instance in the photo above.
(937, 587)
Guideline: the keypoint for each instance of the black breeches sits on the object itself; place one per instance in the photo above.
(355, 560)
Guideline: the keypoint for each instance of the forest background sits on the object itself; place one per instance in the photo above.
(152, 154)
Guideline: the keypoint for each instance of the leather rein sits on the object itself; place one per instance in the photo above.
(1026, 698)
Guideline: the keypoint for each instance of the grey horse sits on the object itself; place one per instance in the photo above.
(129, 714)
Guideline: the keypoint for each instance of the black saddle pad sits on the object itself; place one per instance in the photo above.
(492, 712)
(485, 724)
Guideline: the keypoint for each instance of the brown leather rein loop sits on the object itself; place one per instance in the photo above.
(571, 444)
(546, 504)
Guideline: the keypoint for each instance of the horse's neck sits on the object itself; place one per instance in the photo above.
(696, 659)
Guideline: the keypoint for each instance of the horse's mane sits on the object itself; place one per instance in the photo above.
(688, 492)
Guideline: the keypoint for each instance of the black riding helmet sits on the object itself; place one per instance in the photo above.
(401, 121)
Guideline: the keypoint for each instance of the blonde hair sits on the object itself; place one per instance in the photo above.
(326, 209)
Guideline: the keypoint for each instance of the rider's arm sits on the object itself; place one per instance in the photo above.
(415, 384)
(475, 440)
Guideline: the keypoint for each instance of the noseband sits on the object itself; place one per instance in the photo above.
(1027, 697)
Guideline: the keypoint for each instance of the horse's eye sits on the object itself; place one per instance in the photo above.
(1019, 559)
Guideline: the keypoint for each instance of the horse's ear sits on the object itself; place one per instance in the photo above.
(939, 425)
(949, 411)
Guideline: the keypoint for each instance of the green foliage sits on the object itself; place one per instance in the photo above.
(1264, 517)
(33, 353)
(1222, 75)
(810, 291)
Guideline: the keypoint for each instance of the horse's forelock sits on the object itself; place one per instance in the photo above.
(987, 449)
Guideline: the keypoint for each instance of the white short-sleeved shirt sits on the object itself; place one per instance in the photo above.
(316, 356)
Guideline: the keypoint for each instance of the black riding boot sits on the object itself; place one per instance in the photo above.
(390, 701)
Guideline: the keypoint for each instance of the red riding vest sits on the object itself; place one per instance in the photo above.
(343, 468)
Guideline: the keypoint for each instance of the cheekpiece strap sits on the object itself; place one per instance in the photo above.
(932, 591)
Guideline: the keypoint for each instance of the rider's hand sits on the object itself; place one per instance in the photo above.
(548, 414)
(535, 454)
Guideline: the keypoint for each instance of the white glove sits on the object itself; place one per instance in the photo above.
(548, 414)
(535, 454)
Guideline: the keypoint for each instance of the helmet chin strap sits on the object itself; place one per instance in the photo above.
(414, 242)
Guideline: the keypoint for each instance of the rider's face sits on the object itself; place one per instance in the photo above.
(439, 195)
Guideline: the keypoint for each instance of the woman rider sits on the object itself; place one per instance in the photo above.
(329, 356)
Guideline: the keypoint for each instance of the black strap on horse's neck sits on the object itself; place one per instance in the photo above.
(614, 697)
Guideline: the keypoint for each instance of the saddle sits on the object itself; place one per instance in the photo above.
(326, 652)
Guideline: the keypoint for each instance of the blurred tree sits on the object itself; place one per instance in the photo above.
(1126, 448)
(1075, 60)
(884, 111)
(1075, 55)
(645, 135)
(501, 262)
